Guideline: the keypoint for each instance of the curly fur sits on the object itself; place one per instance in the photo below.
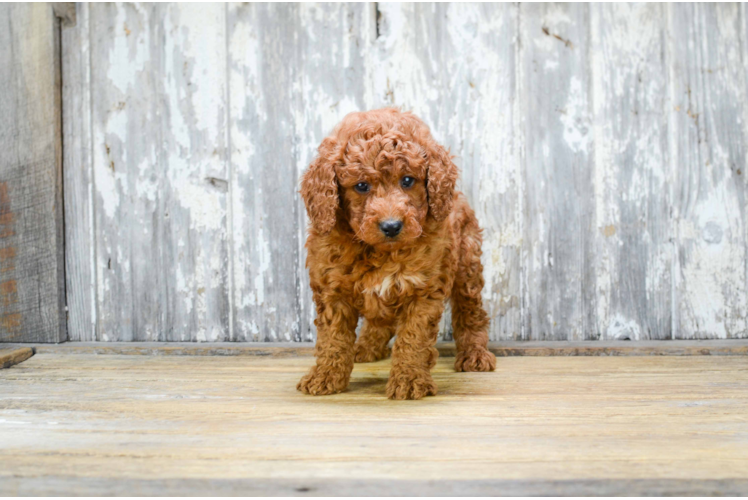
(399, 285)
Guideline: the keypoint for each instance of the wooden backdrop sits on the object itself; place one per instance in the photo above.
(602, 146)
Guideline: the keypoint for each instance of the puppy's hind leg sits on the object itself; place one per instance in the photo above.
(469, 319)
(372, 343)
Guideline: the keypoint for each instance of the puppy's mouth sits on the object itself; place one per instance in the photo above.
(391, 244)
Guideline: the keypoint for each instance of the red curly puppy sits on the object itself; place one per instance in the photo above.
(390, 240)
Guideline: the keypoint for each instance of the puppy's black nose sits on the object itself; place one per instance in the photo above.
(391, 228)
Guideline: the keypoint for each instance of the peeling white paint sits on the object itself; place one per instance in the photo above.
(575, 117)
(621, 328)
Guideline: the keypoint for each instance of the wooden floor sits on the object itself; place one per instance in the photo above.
(80, 423)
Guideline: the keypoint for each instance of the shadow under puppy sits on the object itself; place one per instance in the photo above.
(390, 240)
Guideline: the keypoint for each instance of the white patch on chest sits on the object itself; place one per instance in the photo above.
(383, 284)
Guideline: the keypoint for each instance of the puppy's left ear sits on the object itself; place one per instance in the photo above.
(440, 182)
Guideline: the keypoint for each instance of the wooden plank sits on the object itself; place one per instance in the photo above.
(194, 163)
(558, 275)
(80, 255)
(10, 357)
(160, 171)
(570, 420)
(32, 281)
(707, 143)
(351, 487)
(265, 212)
(501, 349)
(454, 66)
(632, 229)
(125, 138)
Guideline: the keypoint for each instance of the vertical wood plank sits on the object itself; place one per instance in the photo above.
(125, 140)
(32, 280)
(266, 238)
(194, 162)
(454, 66)
(80, 254)
(632, 230)
(707, 143)
(160, 174)
(559, 300)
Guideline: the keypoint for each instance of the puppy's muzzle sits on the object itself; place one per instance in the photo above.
(391, 228)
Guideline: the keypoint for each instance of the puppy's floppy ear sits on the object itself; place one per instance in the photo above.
(319, 188)
(440, 183)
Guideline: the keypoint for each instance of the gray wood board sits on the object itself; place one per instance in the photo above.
(153, 165)
(709, 133)
(631, 234)
(80, 260)
(559, 281)
(32, 299)
(582, 152)
(48, 485)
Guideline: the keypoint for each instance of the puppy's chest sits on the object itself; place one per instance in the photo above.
(382, 291)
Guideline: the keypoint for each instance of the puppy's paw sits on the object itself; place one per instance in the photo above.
(410, 385)
(366, 354)
(323, 380)
(475, 360)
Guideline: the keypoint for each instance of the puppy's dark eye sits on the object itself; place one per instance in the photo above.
(407, 182)
(362, 187)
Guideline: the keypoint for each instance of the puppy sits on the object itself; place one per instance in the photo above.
(390, 240)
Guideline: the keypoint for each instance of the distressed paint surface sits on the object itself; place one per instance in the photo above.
(188, 127)
(632, 227)
(708, 141)
(159, 173)
(557, 266)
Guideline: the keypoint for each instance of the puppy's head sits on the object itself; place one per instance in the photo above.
(384, 174)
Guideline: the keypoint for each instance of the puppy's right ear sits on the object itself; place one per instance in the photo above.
(319, 188)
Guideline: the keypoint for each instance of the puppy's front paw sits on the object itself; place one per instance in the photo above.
(368, 354)
(323, 380)
(410, 385)
(475, 360)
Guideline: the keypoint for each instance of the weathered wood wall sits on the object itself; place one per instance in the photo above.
(602, 146)
(32, 281)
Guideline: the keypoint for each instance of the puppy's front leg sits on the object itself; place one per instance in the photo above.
(414, 354)
(336, 333)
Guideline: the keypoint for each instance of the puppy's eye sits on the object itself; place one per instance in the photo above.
(362, 187)
(407, 182)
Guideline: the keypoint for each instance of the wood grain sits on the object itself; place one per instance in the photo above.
(10, 357)
(632, 231)
(708, 143)
(573, 424)
(80, 259)
(265, 232)
(332, 487)
(158, 173)
(559, 299)
(32, 278)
